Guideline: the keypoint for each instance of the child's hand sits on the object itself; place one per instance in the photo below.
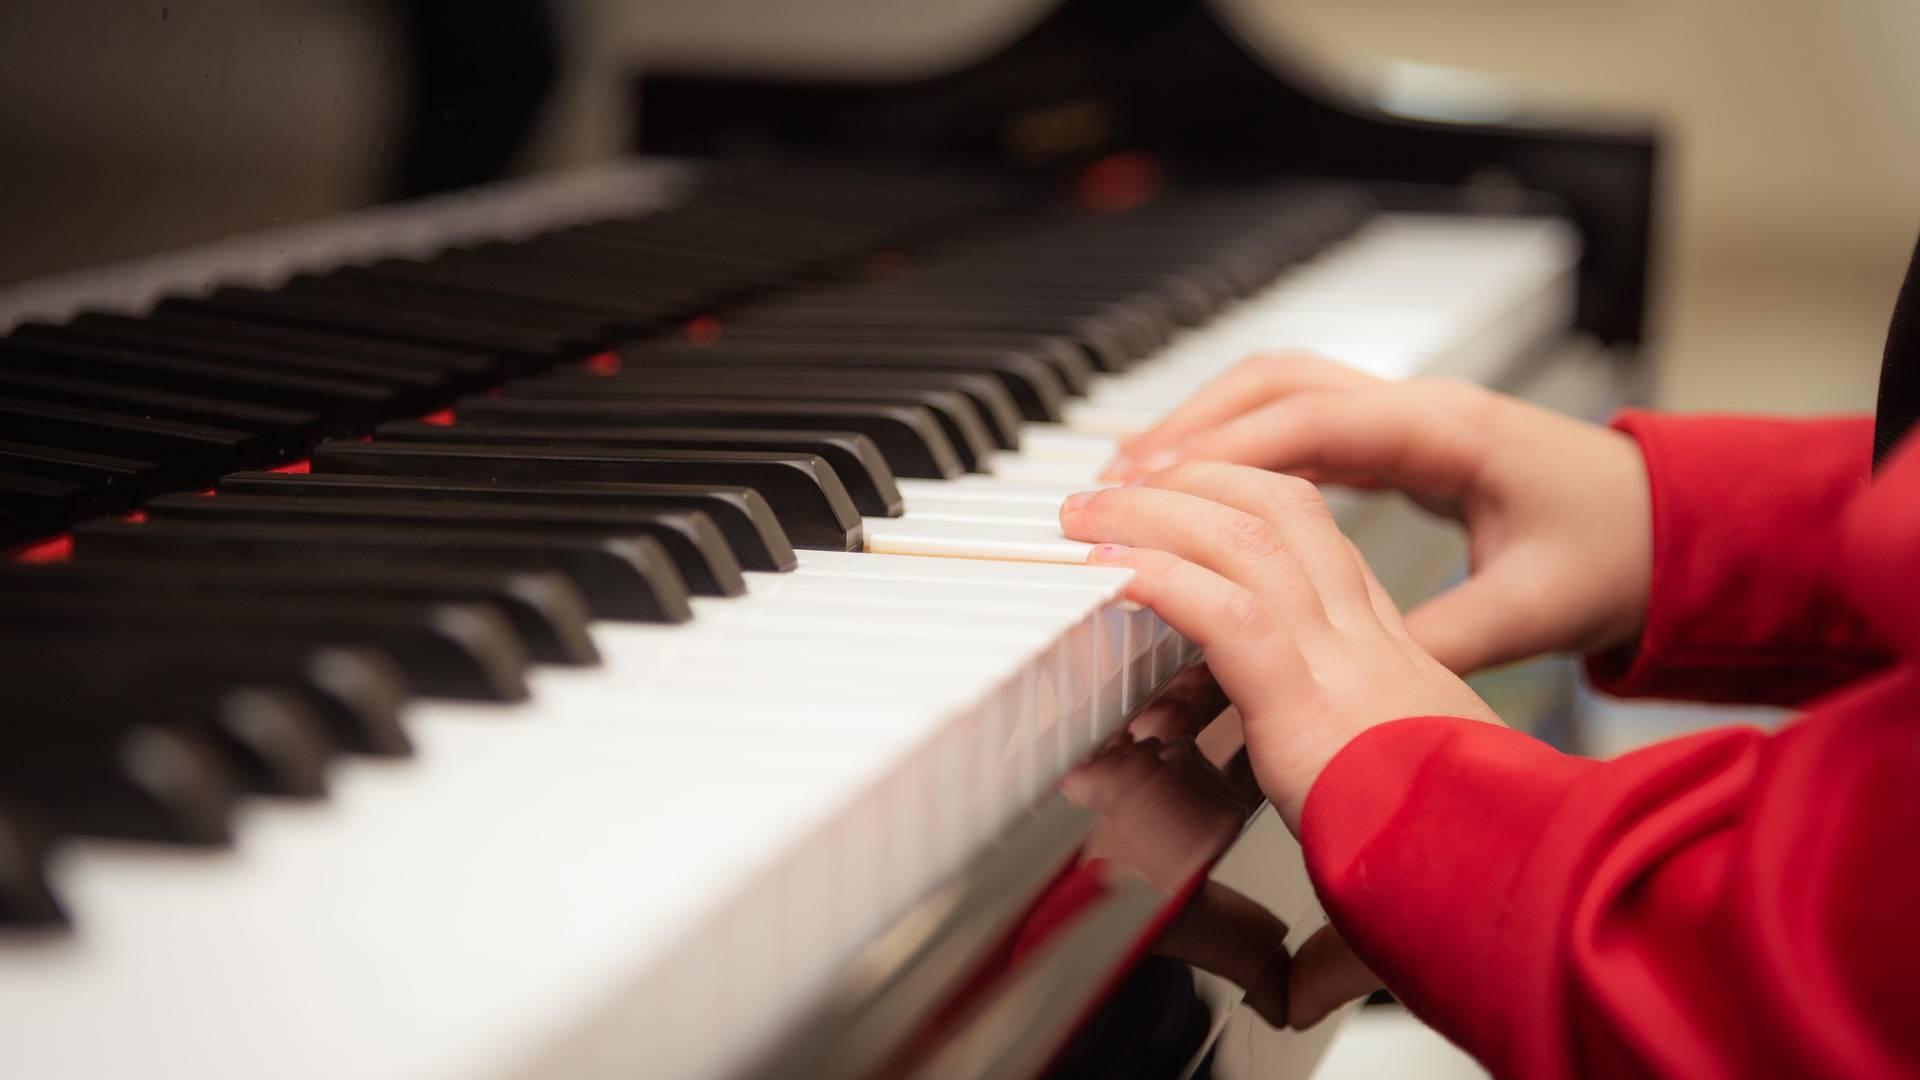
(1557, 510)
(1251, 567)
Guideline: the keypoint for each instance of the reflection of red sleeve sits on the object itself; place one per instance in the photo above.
(1746, 513)
(1727, 904)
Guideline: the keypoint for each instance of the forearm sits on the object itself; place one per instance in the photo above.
(1742, 604)
(1717, 905)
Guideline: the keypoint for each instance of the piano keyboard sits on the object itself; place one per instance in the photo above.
(589, 728)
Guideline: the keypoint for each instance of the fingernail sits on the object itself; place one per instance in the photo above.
(1120, 466)
(1159, 459)
(1108, 552)
(1075, 502)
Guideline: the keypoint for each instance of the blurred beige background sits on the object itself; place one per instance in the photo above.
(1790, 203)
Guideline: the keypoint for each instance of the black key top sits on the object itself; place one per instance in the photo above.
(1035, 388)
(357, 402)
(1106, 346)
(998, 412)
(614, 304)
(964, 426)
(26, 897)
(546, 611)
(515, 350)
(413, 388)
(689, 537)
(185, 455)
(1058, 355)
(565, 330)
(908, 436)
(273, 740)
(1113, 340)
(852, 455)
(33, 505)
(283, 432)
(358, 692)
(447, 650)
(631, 579)
(460, 366)
(805, 494)
(122, 480)
(742, 516)
(130, 779)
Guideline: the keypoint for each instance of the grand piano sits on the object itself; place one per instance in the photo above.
(614, 623)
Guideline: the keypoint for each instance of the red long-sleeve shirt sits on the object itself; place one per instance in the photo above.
(1733, 903)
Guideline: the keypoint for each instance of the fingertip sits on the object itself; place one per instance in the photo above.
(1108, 553)
(1118, 469)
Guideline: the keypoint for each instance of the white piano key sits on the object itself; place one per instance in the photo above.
(973, 540)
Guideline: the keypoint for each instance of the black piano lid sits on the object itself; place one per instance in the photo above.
(1172, 79)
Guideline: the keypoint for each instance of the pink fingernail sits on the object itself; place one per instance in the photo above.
(1108, 552)
(1159, 459)
(1117, 468)
(1075, 502)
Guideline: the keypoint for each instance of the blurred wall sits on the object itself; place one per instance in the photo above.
(129, 126)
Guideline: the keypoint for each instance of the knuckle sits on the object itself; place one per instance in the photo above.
(1245, 616)
(1251, 536)
(1293, 495)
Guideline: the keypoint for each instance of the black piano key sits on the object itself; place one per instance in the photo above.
(1035, 387)
(621, 578)
(460, 366)
(120, 479)
(615, 305)
(998, 412)
(447, 650)
(1108, 347)
(743, 517)
(806, 496)
(689, 538)
(126, 778)
(26, 894)
(858, 463)
(518, 348)
(356, 401)
(284, 432)
(33, 505)
(565, 330)
(358, 692)
(965, 428)
(909, 436)
(1058, 355)
(272, 739)
(412, 386)
(184, 455)
(546, 611)
(1123, 330)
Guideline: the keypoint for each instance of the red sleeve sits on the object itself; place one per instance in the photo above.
(1730, 904)
(1746, 517)
(1725, 905)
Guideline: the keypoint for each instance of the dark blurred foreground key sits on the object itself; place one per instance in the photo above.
(741, 515)
(447, 650)
(621, 578)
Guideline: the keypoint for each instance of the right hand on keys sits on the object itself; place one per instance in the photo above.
(1557, 510)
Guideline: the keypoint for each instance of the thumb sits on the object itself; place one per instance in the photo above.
(1326, 975)
(1485, 620)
